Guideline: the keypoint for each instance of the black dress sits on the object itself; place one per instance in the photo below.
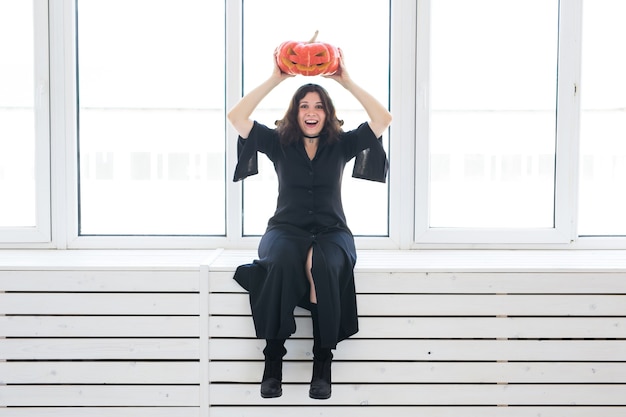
(309, 213)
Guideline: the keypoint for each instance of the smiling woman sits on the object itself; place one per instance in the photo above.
(311, 116)
(307, 253)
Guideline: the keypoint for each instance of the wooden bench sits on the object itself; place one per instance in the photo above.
(102, 334)
(442, 334)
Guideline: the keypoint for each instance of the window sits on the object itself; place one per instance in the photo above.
(24, 149)
(603, 120)
(151, 117)
(490, 140)
(508, 120)
(365, 202)
(493, 113)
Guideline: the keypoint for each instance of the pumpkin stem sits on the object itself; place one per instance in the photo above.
(314, 36)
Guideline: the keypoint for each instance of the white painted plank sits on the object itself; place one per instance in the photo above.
(222, 281)
(458, 305)
(99, 326)
(464, 260)
(491, 283)
(85, 372)
(104, 412)
(466, 283)
(426, 394)
(100, 281)
(320, 410)
(492, 260)
(231, 258)
(447, 327)
(99, 395)
(492, 327)
(521, 283)
(431, 372)
(113, 260)
(368, 260)
(476, 305)
(99, 304)
(435, 350)
(93, 349)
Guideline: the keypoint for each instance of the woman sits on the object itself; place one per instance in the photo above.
(307, 254)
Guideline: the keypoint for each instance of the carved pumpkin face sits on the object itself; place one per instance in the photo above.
(308, 58)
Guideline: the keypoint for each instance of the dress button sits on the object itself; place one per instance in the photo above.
(310, 211)
(310, 191)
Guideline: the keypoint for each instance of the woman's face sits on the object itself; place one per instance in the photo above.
(311, 114)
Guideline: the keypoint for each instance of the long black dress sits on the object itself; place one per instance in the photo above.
(309, 213)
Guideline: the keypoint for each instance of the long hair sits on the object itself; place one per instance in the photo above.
(289, 130)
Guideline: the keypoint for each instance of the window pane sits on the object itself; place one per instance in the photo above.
(151, 117)
(366, 50)
(493, 112)
(603, 120)
(17, 115)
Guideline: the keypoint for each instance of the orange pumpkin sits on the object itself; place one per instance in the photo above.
(308, 58)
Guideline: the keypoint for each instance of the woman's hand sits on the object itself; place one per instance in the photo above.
(341, 75)
(239, 115)
(278, 74)
(380, 118)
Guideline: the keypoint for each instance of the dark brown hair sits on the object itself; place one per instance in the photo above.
(288, 128)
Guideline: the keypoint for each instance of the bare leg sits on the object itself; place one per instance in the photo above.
(307, 269)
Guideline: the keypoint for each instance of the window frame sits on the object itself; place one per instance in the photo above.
(41, 231)
(70, 237)
(233, 89)
(568, 75)
(57, 168)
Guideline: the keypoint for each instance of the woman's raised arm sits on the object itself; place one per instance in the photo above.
(380, 118)
(239, 114)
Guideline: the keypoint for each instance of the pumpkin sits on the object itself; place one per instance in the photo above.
(307, 58)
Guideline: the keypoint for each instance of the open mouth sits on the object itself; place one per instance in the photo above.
(311, 123)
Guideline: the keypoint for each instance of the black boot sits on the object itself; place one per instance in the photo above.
(271, 384)
(322, 357)
(321, 381)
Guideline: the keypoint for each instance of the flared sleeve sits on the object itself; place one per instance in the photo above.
(247, 159)
(261, 138)
(371, 163)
